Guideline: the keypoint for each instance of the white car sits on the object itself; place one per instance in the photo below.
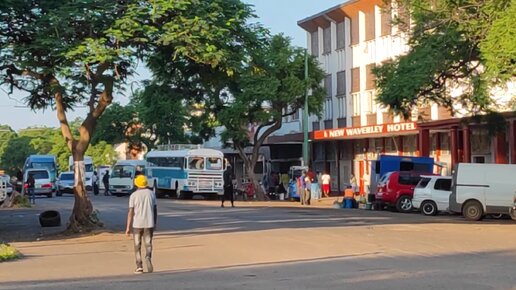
(42, 181)
(432, 194)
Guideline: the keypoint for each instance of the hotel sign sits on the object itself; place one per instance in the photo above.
(343, 133)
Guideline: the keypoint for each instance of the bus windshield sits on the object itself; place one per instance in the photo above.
(43, 165)
(214, 163)
(122, 171)
(196, 163)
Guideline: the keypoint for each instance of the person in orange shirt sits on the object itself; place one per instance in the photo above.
(349, 195)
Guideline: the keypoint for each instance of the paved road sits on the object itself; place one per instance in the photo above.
(273, 246)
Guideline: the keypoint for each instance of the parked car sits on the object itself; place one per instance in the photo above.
(65, 183)
(483, 189)
(42, 181)
(6, 189)
(432, 194)
(396, 188)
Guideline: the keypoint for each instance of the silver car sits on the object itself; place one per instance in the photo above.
(42, 181)
(65, 183)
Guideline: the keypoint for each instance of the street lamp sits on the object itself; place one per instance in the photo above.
(305, 115)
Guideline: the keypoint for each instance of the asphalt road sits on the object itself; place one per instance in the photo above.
(276, 246)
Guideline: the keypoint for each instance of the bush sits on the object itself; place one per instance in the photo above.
(8, 252)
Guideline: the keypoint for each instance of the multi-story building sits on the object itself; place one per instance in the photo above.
(349, 40)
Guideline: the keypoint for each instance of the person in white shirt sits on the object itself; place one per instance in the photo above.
(142, 218)
(95, 184)
(326, 179)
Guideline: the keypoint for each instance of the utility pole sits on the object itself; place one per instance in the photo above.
(305, 115)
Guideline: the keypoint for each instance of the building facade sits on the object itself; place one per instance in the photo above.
(349, 40)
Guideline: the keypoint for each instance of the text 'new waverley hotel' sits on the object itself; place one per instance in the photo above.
(349, 40)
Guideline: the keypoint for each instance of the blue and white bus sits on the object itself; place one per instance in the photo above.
(185, 170)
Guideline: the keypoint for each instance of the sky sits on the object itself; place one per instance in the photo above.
(280, 16)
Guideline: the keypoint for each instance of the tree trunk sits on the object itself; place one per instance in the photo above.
(249, 166)
(82, 218)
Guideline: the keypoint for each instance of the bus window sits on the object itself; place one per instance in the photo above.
(406, 166)
(196, 163)
(213, 163)
(166, 161)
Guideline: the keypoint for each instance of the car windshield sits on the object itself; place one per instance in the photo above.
(423, 182)
(196, 163)
(39, 174)
(68, 176)
(123, 171)
(43, 165)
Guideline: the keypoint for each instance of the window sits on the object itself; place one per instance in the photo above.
(196, 163)
(443, 184)
(408, 179)
(328, 124)
(341, 104)
(315, 42)
(354, 30)
(424, 182)
(39, 174)
(123, 171)
(316, 126)
(406, 166)
(371, 103)
(356, 104)
(327, 39)
(341, 83)
(386, 21)
(166, 161)
(370, 77)
(67, 176)
(214, 163)
(341, 35)
(370, 26)
(327, 86)
(355, 79)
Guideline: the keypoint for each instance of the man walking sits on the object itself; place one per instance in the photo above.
(142, 218)
(31, 184)
(228, 186)
(326, 179)
(105, 180)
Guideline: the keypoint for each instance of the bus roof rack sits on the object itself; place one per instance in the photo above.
(173, 147)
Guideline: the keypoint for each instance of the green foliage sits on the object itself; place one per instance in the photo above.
(16, 151)
(115, 125)
(6, 134)
(102, 153)
(8, 252)
(465, 43)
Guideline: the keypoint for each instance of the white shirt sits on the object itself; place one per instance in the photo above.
(325, 179)
(143, 201)
(94, 178)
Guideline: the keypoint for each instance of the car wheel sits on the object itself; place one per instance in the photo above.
(404, 204)
(49, 195)
(473, 211)
(429, 208)
(512, 213)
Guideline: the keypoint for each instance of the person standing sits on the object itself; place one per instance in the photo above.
(142, 219)
(31, 183)
(353, 182)
(326, 180)
(228, 186)
(105, 181)
(301, 188)
(308, 188)
(316, 194)
(95, 183)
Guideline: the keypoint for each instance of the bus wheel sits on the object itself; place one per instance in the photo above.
(157, 192)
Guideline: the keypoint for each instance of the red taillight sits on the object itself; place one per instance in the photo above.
(48, 185)
(26, 185)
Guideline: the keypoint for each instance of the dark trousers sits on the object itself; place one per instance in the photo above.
(32, 194)
(95, 189)
(146, 235)
(106, 188)
(228, 194)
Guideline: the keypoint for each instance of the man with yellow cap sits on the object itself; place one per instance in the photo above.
(142, 217)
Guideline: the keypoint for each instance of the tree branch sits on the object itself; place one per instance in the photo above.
(61, 115)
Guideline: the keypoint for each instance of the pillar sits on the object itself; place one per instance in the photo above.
(400, 145)
(466, 146)
(424, 142)
(454, 148)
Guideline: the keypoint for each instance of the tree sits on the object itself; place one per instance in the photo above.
(467, 44)
(16, 151)
(6, 134)
(89, 58)
(272, 87)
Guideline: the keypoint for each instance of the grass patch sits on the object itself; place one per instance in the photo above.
(8, 252)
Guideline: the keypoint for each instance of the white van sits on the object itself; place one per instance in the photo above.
(121, 178)
(481, 189)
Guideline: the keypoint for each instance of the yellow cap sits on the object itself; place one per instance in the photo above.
(140, 181)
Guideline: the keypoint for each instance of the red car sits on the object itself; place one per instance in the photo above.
(397, 189)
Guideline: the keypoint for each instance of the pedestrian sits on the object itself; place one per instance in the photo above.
(228, 186)
(31, 184)
(142, 219)
(308, 188)
(301, 188)
(326, 179)
(349, 197)
(95, 183)
(315, 193)
(353, 182)
(105, 181)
